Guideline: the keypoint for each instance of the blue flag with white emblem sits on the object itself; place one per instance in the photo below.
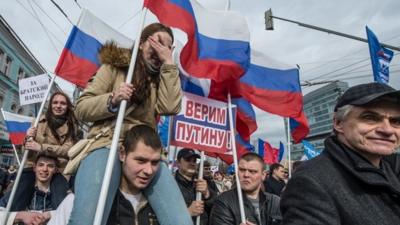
(380, 58)
(309, 150)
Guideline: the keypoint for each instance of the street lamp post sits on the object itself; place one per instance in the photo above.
(269, 25)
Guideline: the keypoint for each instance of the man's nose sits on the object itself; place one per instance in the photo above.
(385, 127)
(148, 169)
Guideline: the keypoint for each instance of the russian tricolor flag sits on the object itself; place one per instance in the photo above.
(299, 127)
(275, 88)
(17, 125)
(270, 154)
(78, 61)
(271, 86)
(218, 45)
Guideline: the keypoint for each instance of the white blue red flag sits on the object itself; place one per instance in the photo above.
(281, 151)
(218, 41)
(17, 126)
(267, 152)
(79, 61)
(299, 128)
(380, 58)
(275, 88)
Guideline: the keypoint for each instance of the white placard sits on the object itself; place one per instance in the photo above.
(33, 89)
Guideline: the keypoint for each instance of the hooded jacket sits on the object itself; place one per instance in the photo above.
(92, 104)
(50, 144)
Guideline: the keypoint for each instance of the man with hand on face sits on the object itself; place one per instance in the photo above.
(351, 181)
(260, 208)
(189, 185)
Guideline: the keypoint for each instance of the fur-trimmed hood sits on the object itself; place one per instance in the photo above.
(116, 56)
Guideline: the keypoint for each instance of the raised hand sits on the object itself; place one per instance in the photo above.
(159, 44)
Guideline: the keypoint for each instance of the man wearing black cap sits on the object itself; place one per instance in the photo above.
(189, 185)
(355, 180)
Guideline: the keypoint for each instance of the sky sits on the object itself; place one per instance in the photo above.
(321, 57)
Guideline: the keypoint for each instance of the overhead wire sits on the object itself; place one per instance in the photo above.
(348, 54)
(350, 70)
(36, 18)
(44, 12)
(44, 28)
(76, 1)
(62, 11)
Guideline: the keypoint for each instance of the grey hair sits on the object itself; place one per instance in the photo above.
(340, 115)
(342, 112)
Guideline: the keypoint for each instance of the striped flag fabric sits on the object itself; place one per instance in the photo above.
(78, 61)
(218, 45)
(17, 126)
(267, 152)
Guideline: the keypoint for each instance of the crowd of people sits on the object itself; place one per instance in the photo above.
(355, 180)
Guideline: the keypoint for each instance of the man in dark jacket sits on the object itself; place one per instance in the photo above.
(46, 193)
(275, 183)
(351, 182)
(141, 157)
(260, 208)
(189, 185)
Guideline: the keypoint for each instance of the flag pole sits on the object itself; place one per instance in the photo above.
(25, 156)
(288, 146)
(201, 171)
(170, 153)
(235, 160)
(16, 155)
(15, 150)
(118, 126)
(233, 141)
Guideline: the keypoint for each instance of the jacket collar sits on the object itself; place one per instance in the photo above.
(360, 167)
(63, 130)
(182, 180)
(142, 202)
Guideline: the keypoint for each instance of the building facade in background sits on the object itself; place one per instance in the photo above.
(318, 106)
(16, 62)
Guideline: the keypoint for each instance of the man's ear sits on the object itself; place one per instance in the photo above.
(264, 174)
(122, 153)
(337, 125)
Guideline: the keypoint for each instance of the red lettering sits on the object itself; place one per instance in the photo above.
(189, 109)
(204, 111)
(221, 135)
(221, 113)
(197, 111)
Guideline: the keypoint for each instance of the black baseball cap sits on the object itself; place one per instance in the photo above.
(365, 93)
(187, 153)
